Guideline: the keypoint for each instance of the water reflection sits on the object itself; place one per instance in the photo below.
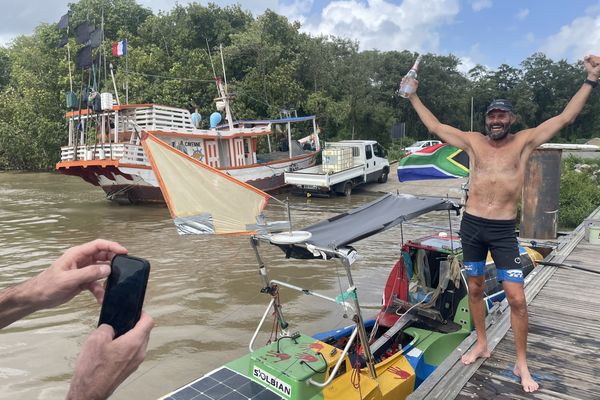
(203, 291)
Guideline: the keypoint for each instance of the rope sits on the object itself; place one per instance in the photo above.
(453, 275)
(275, 327)
(337, 274)
(173, 77)
(355, 377)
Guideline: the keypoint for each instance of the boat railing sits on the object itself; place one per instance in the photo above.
(125, 152)
(299, 289)
(342, 359)
(120, 126)
(171, 119)
(134, 154)
(164, 118)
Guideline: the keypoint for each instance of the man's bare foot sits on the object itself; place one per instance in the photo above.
(529, 385)
(477, 352)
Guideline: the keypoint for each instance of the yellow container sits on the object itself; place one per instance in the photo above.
(594, 234)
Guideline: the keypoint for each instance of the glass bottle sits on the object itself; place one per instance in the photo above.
(408, 87)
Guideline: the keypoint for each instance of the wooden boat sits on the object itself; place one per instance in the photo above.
(105, 150)
(422, 320)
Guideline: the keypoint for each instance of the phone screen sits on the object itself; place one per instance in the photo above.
(124, 295)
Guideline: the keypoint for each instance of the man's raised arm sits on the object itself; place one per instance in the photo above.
(447, 133)
(548, 129)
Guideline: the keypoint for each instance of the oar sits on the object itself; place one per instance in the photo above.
(563, 265)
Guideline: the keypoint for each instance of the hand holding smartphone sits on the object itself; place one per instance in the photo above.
(124, 293)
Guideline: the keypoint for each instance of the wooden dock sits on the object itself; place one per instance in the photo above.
(564, 335)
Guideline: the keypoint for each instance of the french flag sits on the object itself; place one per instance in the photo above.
(120, 48)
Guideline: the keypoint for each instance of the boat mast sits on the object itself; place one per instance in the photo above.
(223, 92)
(224, 100)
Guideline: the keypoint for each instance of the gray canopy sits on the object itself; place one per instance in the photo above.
(362, 222)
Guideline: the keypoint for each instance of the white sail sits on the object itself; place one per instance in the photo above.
(202, 199)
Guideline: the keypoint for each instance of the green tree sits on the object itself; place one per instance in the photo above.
(270, 66)
(30, 105)
(4, 68)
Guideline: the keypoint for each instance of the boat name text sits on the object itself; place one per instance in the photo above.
(272, 381)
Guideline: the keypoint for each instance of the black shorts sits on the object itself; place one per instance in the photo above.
(478, 235)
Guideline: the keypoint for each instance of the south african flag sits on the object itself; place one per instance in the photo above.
(441, 161)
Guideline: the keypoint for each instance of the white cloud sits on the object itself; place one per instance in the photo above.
(573, 41)
(379, 24)
(522, 14)
(478, 5)
(296, 10)
(466, 64)
(6, 39)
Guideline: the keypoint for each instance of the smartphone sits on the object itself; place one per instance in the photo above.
(124, 293)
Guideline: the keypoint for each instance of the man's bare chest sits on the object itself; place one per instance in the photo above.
(507, 161)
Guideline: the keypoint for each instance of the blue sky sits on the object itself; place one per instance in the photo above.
(488, 32)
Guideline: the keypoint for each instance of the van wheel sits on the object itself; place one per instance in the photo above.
(347, 189)
(383, 177)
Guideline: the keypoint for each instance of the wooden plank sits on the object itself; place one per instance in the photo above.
(563, 343)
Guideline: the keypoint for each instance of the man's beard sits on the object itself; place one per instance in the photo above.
(498, 135)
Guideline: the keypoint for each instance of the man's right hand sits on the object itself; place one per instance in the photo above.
(413, 83)
(80, 267)
(104, 363)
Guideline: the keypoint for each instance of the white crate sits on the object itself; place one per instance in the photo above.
(337, 159)
(106, 101)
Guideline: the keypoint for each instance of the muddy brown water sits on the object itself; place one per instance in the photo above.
(203, 293)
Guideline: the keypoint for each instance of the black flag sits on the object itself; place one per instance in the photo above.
(64, 21)
(82, 32)
(96, 38)
(84, 57)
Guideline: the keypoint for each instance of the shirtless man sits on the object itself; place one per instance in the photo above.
(498, 160)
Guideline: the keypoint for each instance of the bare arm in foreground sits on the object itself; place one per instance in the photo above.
(103, 363)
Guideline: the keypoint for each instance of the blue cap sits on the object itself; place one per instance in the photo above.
(499, 104)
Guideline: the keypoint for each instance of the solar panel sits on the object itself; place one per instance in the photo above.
(223, 384)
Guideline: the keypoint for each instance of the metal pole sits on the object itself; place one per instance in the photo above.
(287, 202)
(126, 74)
(316, 137)
(112, 74)
(362, 332)
(268, 288)
(289, 130)
(223, 66)
(471, 113)
(451, 239)
(116, 133)
(69, 63)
